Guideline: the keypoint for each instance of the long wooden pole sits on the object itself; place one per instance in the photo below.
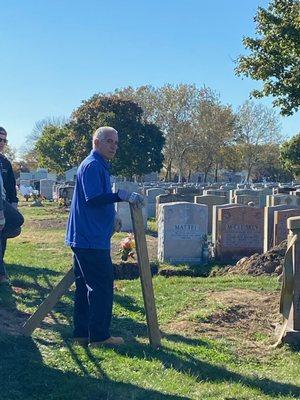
(145, 276)
(48, 304)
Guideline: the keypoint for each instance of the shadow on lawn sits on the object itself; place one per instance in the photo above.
(37, 278)
(182, 361)
(25, 376)
(7, 298)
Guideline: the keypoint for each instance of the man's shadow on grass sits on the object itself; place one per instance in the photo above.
(39, 279)
(181, 361)
(24, 375)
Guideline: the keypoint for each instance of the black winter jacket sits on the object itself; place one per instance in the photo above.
(9, 181)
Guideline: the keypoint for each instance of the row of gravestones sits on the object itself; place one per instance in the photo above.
(233, 193)
(186, 219)
(212, 200)
(238, 230)
(158, 195)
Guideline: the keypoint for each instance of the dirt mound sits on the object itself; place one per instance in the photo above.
(267, 263)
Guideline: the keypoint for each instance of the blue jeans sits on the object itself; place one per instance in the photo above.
(94, 293)
(13, 221)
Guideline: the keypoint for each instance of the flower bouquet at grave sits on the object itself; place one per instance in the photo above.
(127, 247)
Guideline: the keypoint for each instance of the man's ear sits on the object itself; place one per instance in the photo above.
(96, 142)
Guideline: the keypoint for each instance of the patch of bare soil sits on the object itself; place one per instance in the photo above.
(50, 223)
(247, 318)
(267, 263)
(11, 321)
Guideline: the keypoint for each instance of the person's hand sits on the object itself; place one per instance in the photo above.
(132, 198)
(2, 220)
(15, 205)
(117, 223)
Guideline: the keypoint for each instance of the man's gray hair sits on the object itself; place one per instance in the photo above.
(100, 132)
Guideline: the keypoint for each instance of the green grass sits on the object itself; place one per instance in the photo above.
(190, 364)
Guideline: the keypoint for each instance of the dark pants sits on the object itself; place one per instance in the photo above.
(13, 222)
(94, 293)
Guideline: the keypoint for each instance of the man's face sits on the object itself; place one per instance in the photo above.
(107, 147)
(2, 141)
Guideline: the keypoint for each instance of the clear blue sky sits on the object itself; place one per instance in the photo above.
(54, 54)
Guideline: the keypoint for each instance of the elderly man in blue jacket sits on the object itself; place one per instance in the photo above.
(91, 223)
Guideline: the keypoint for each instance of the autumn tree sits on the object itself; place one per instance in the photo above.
(290, 155)
(270, 166)
(274, 55)
(140, 144)
(29, 155)
(10, 152)
(171, 107)
(53, 149)
(213, 131)
(255, 125)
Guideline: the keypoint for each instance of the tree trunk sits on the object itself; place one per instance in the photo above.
(216, 173)
(205, 176)
(249, 173)
(168, 171)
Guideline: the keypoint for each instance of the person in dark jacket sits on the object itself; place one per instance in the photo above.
(10, 218)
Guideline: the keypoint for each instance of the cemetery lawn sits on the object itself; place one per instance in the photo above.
(216, 332)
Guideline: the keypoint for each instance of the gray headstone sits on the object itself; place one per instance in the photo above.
(210, 200)
(182, 230)
(151, 200)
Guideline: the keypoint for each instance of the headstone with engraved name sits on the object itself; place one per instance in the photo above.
(214, 233)
(240, 232)
(182, 230)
